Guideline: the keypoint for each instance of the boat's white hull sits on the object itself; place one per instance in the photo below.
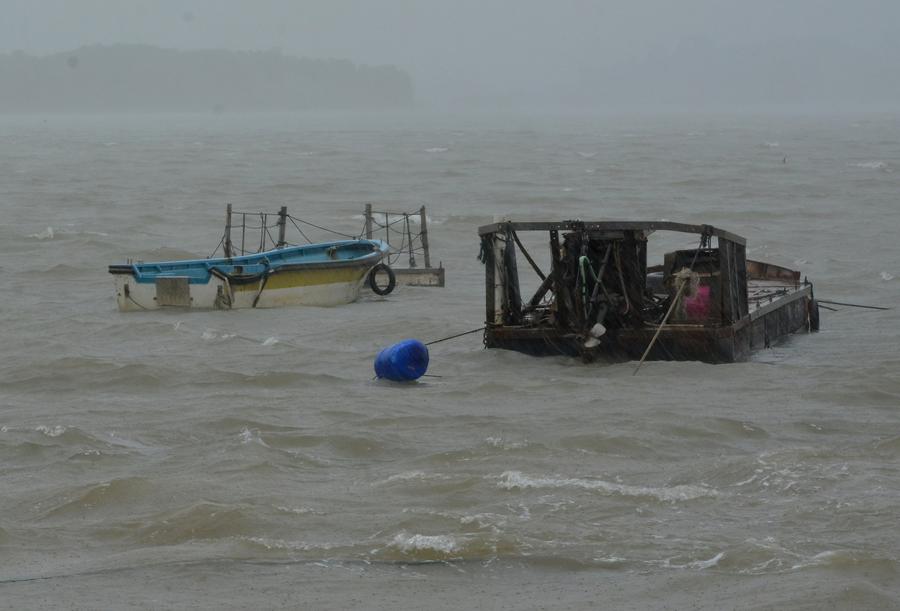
(313, 287)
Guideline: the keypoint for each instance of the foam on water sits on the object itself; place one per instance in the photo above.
(873, 165)
(511, 480)
(54, 431)
(414, 543)
(46, 234)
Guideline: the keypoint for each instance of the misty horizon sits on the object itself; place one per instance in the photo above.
(698, 55)
(143, 77)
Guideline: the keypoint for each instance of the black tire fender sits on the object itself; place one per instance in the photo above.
(373, 283)
(813, 313)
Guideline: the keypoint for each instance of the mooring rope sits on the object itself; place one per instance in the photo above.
(852, 305)
(345, 235)
(443, 339)
(687, 279)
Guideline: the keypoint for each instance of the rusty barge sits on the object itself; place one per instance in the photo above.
(599, 299)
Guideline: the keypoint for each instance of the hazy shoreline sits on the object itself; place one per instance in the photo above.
(145, 78)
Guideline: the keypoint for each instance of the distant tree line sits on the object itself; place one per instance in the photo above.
(140, 77)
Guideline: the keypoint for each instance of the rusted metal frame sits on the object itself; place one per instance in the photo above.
(669, 332)
(618, 261)
(489, 280)
(562, 313)
(728, 280)
(512, 292)
(534, 265)
(708, 230)
(740, 270)
(595, 294)
(780, 302)
(539, 294)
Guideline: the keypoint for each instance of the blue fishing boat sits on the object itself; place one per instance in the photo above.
(323, 274)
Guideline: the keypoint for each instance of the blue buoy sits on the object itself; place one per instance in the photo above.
(405, 361)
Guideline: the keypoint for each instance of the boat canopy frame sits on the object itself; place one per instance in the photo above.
(504, 304)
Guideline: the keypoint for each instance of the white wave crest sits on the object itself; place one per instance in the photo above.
(294, 546)
(302, 510)
(515, 479)
(412, 476)
(705, 564)
(211, 334)
(444, 544)
(56, 431)
(886, 276)
(695, 564)
(46, 234)
(437, 149)
(820, 559)
(873, 165)
(502, 444)
(247, 436)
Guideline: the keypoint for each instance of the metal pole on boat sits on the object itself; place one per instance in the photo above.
(423, 234)
(263, 228)
(368, 221)
(227, 246)
(282, 225)
(243, 230)
(412, 255)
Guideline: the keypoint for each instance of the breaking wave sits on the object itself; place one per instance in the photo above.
(511, 480)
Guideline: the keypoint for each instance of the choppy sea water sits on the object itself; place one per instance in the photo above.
(247, 459)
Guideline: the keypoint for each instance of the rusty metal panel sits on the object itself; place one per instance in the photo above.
(647, 226)
(173, 291)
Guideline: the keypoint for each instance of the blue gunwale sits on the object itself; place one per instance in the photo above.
(342, 253)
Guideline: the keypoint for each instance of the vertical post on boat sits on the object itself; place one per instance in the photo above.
(243, 230)
(556, 273)
(501, 281)
(227, 246)
(423, 235)
(490, 273)
(368, 221)
(282, 225)
(263, 229)
(412, 251)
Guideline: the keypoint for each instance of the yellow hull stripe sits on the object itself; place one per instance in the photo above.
(308, 277)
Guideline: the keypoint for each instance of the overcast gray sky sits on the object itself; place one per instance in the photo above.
(524, 52)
